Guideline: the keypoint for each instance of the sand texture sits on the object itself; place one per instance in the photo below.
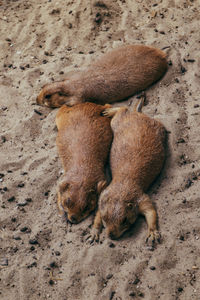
(41, 257)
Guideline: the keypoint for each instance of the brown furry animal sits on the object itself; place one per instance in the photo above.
(115, 76)
(84, 139)
(136, 158)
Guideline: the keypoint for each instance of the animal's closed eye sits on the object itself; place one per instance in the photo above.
(124, 221)
(68, 202)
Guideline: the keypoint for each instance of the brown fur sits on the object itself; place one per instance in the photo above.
(136, 158)
(115, 76)
(84, 139)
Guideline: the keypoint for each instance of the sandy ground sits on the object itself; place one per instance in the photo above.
(41, 41)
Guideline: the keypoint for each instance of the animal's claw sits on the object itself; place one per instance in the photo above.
(153, 238)
(94, 237)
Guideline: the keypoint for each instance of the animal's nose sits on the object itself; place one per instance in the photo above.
(73, 219)
(111, 235)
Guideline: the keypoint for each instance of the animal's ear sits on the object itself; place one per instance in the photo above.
(63, 186)
(101, 185)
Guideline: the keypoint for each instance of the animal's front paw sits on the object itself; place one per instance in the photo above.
(153, 238)
(93, 237)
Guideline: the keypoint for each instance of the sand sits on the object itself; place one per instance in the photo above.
(40, 256)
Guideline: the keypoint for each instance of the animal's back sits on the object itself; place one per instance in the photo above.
(123, 72)
(82, 134)
(139, 145)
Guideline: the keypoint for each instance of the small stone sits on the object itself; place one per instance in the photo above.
(152, 268)
(51, 282)
(28, 199)
(45, 61)
(98, 18)
(32, 248)
(3, 138)
(181, 140)
(21, 185)
(33, 242)
(109, 276)
(136, 281)
(132, 294)
(13, 220)
(4, 262)
(24, 229)
(196, 105)
(141, 295)
(11, 199)
(188, 183)
(180, 289)
(111, 295)
(53, 264)
(183, 70)
(34, 264)
(57, 253)
(195, 268)
(111, 245)
(38, 112)
(181, 237)
(22, 204)
(17, 238)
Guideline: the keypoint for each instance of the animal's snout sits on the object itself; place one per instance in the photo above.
(111, 235)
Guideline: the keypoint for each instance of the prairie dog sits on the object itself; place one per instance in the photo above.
(136, 158)
(115, 76)
(83, 141)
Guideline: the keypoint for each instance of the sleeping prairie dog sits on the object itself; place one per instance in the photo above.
(115, 76)
(83, 141)
(136, 158)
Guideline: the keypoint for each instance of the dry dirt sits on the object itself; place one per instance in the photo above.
(40, 256)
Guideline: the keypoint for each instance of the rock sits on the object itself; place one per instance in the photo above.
(111, 295)
(21, 185)
(33, 242)
(109, 276)
(111, 245)
(22, 203)
(4, 262)
(11, 199)
(24, 229)
(17, 238)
